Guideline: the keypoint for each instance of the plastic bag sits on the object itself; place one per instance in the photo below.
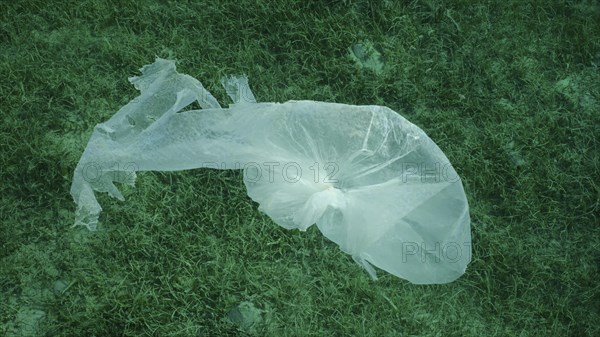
(373, 182)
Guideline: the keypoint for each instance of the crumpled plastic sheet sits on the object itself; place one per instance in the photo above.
(372, 182)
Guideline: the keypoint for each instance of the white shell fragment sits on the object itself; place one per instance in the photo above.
(374, 183)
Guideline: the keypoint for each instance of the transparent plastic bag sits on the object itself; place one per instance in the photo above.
(374, 183)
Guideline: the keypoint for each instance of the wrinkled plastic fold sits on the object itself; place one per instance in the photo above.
(372, 182)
